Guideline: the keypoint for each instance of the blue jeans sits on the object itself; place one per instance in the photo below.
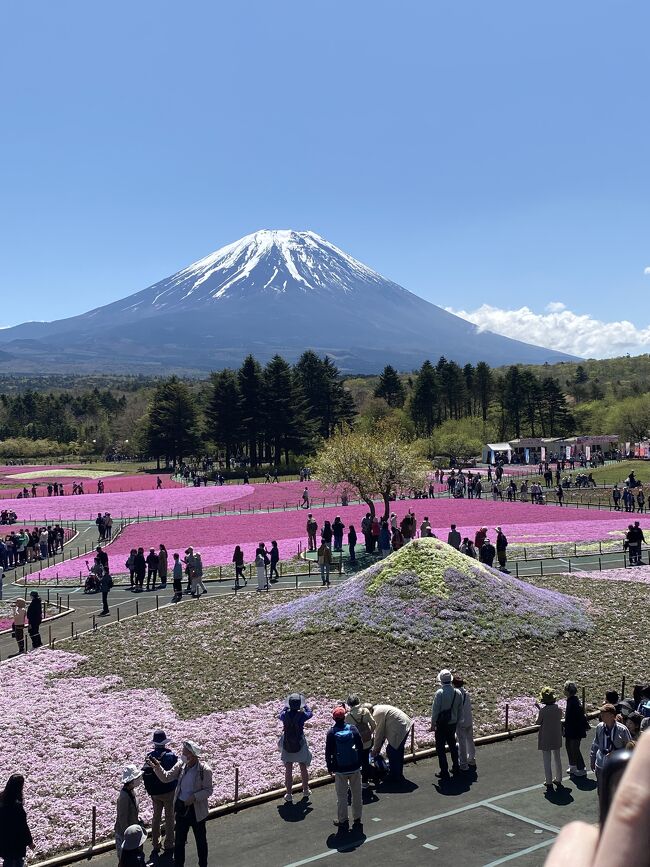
(395, 758)
(325, 573)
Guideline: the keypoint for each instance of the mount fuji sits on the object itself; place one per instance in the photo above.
(270, 292)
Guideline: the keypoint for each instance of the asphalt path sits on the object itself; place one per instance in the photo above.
(499, 814)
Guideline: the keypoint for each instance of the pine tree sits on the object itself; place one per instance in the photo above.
(172, 422)
(424, 402)
(286, 423)
(251, 389)
(390, 387)
(224, 425)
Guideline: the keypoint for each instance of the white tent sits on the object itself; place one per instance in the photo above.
(491, 449)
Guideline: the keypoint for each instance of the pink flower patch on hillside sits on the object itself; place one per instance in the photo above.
(128, 504)
(89, 728)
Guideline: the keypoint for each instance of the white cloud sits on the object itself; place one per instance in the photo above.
(646, 271)
(562, 329)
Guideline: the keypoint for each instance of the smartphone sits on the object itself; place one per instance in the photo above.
(613, 770)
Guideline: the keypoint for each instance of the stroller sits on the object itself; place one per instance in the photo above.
(93, 580)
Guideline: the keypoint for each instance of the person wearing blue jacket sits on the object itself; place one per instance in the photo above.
(343, 754)
(384, 538)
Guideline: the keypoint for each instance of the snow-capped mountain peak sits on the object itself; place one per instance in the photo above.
(268, 261)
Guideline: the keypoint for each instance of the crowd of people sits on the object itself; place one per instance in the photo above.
(180, 786)
(30, 546)
(59, 489)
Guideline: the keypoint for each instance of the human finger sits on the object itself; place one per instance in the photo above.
(575, 846)
(625, 836)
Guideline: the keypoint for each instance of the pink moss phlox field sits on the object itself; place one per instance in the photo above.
(217, 536)
(112, 484)
(128, 504)
(89, 728)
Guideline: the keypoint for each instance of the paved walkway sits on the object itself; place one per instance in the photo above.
(500, 814)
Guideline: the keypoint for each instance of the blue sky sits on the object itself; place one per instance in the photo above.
(478, 154)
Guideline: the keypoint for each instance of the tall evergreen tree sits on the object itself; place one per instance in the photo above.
(251, 389)
(390, 387)
(224, 417)
(424, 402)
(172, 427)
(287, 425)
(484, 386)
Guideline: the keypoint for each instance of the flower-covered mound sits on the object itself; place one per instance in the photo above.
(428, 590)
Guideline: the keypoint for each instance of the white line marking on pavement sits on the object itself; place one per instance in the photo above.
(510, 834)
(521, 818)
(412, 836)
(520, 853)
(486, 803)
(376, 819)
(430, 846)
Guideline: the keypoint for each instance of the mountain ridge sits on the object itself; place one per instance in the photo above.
(271, 291)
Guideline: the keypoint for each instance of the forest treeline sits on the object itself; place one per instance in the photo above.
(279, 411)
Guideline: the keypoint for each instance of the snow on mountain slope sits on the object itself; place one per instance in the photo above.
(268, 261)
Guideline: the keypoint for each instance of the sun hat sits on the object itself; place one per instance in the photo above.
(192, 747)
(131, 773)
(134, 837)
(338, 713)
(159, 738)
(20, 603)
(547, 695)
(444, 676)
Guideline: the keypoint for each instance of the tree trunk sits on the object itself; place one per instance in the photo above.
(386, 506)
(371, 507)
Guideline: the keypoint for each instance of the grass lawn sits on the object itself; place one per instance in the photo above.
(224, 659)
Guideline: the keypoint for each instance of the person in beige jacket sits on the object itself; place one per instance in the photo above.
(549, 736)
(190, 800)
(393, 725)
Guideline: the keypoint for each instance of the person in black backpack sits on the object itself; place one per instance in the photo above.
(343, 754)
(162, 794)
(293, 744)
(445, 710)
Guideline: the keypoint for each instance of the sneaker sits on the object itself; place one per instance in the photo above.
(306, 793)
(443, 775)
(365, 785)
(571, 770)
(288, 799)
(582, 773)
(342, 826)
(357, 825)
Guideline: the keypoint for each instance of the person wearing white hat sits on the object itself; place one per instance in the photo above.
(162, 794)
(445, 711)
(127, 804)
(193, 789)
(132, 852)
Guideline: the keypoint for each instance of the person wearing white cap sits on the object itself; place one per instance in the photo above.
(127, 804)
(162, 794)
(132, 851)
(190, 799)
(445, 711)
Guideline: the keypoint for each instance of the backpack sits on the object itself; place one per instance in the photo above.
(363, 728)
(444, 717)
(292, 738)
(346, 752)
